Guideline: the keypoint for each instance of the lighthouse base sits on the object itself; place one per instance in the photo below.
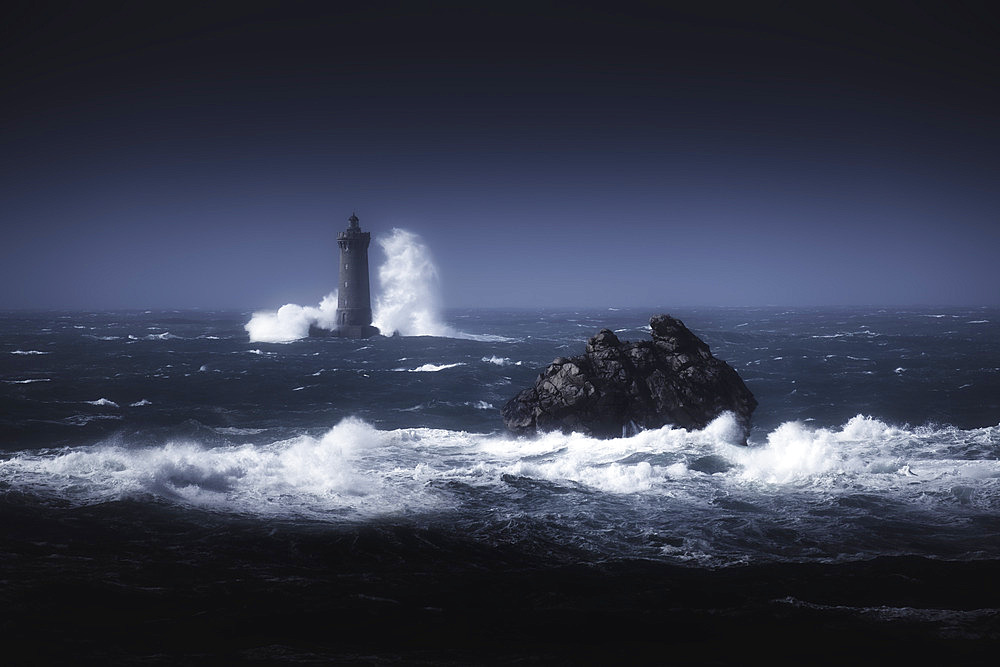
(356, 331)
(346, 331)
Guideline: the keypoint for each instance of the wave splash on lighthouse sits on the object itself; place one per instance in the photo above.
(409, 299)
(292, 321)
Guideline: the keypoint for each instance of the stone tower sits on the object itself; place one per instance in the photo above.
(354, 301)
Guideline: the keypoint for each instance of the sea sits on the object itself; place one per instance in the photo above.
(173, 492)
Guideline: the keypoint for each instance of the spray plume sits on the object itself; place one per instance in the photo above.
(292, 321)
(409, 302)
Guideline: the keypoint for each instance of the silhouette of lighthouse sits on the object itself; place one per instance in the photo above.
(354, 301)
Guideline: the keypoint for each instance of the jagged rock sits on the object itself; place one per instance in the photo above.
(617, 386)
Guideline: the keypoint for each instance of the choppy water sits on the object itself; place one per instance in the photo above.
(877, 436)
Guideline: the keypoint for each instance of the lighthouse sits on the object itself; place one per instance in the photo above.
(354, 301)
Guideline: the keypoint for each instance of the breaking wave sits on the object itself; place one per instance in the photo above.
(103, 402)
(291, 321)
(686, 483)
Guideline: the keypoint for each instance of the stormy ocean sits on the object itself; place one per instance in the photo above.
(174, 490)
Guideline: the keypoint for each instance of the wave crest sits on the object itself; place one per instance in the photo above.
(354, 469)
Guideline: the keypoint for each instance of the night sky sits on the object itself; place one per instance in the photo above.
(166, 155)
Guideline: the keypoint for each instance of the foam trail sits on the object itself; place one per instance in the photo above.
(292, 321)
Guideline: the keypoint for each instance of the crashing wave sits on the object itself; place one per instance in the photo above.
(408, 304)
(357, 469)
(291, 322)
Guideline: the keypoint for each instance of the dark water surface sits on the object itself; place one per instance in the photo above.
(173, 493)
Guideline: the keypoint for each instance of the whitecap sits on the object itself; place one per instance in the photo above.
(430, 368)
(166, 335)
(103, 402)
(355, 470)
(500, 361)
(324, 477)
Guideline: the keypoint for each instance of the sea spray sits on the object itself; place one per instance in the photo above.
(292, 321)
(409, 301)
(325, 476)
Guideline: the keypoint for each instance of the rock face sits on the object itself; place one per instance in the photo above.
(617, 385)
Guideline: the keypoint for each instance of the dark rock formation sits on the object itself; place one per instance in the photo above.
(616, 386)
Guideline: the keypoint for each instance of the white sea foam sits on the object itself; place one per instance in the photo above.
(303, 475)
(28, 381)
(166, 335)
(291, 322)
(430, 368)
(29, 352)
(103, 402)
(140, 403)
(356, 470)
(501, 361)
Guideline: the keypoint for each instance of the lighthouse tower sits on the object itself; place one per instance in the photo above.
(354, 301)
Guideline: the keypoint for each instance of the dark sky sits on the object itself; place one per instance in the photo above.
(550, 154)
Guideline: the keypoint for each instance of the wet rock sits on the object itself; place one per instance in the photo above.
(617, 386)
